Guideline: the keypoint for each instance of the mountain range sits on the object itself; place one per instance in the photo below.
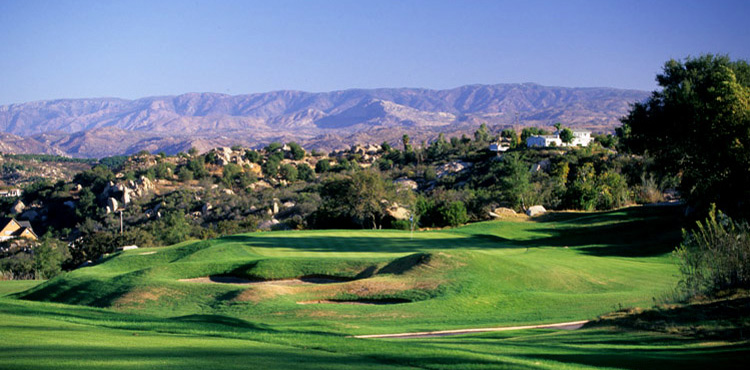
(329, 120)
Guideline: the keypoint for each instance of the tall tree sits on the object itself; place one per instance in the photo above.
(698, 127)
(566, 135)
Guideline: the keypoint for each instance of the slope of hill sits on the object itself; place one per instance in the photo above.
(170, 122)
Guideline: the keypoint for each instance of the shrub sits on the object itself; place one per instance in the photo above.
(454, 213)
(715, 256)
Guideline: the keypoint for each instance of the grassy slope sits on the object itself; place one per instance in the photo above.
(484, 274)
(569, 266)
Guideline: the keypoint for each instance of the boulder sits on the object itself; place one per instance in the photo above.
(206, 207)
(453, 167)
(145, 185)
(17, 207)
(267, 225)
(112, 204)
(398, 212)
(125, 195)
(405, 183)
(289, 204)
(534, 211)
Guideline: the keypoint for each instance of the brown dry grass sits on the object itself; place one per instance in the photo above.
(362, 288)
(138, 297)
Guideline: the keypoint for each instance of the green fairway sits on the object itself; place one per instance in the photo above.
(566, 267)
(15, 286)
(307, 291)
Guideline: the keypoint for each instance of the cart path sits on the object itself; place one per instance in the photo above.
(572, 325)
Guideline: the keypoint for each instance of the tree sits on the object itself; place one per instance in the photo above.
(297, 151)
(510, 134)
(566, 135)
(49, 256)
(185, 174)
(454, 213)
(482, 135)
(359, 197)
(405, 139)
(323, 165)
(304, 172)
(558, 126)
(288, 172)
(698, 127)
(252, 156)
(515, 180)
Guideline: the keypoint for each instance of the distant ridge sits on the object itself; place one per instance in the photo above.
(108, 126)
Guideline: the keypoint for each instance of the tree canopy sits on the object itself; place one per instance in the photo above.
(698, 127)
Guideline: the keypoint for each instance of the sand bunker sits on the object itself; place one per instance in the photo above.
(240, 281)
(147, 253)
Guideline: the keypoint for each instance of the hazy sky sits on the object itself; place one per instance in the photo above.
(131, 49)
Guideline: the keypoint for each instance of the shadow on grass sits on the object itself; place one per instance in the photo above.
(631, 232)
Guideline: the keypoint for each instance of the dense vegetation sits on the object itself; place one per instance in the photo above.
(698, 127)
(444, 183)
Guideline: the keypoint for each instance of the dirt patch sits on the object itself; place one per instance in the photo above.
(138, 297)
(259, 293)
(375, 286)
(219, 279)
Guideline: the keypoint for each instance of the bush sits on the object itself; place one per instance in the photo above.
(715, 256)
(454, 213)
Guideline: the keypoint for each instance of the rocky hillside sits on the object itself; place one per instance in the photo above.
(99, 127)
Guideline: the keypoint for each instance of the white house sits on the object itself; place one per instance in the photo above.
(543, 141)
(580, 138)
(499, 147)
(11, 193)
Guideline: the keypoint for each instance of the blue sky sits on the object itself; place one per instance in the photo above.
(131, 49)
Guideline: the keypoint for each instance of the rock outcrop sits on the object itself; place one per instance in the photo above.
(534, 211)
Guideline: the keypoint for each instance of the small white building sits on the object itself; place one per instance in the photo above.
(499, 147)
(580, 138)
(11, 193)
(541, 141)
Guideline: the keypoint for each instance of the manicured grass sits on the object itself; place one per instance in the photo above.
(46, 336)
(15, 286)
(563, 267)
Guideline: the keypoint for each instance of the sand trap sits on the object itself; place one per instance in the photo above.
(240, 281)
(147, 253)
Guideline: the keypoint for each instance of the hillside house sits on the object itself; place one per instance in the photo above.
(501, 145)
(580, 138)
(9, 193)
(11, 229)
